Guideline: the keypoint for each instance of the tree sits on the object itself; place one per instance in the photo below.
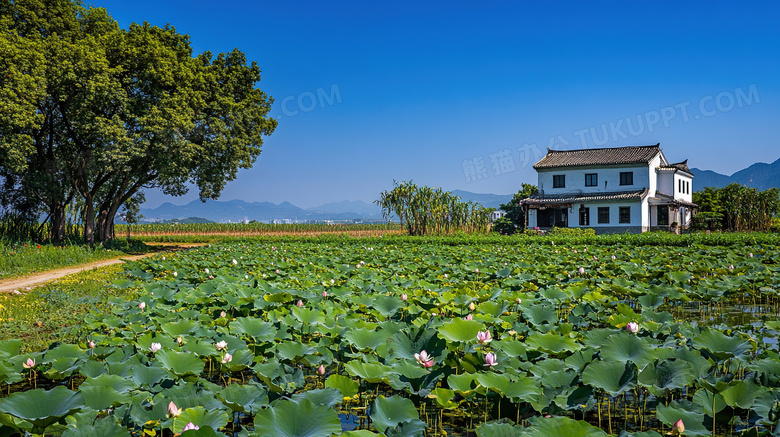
(431, 211)
(514, 212)
(102, 113)
(737, 208)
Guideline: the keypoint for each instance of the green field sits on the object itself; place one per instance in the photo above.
(251, 335)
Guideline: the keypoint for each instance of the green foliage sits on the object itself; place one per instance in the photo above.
(736, 208)
(504, 226)
(431, 211)
(135, 105)
(572, 231)
(514, 212)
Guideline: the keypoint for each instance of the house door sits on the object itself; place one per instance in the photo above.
(663, 215)
(561, 218)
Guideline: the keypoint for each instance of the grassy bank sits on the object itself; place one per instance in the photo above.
(55, 311)
(21, 258)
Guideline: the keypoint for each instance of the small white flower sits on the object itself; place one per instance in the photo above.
(227, 358)
(155, 347)
(222, 344)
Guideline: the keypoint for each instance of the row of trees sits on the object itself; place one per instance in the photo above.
(736, 207)
(96, 113)
(431, 211)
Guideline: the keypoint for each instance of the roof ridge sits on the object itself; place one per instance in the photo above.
(604, 148)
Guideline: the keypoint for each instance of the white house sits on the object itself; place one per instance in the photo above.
(621, 189)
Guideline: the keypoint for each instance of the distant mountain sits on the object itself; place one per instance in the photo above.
(759, 175)
(486, 200)
(239, 210)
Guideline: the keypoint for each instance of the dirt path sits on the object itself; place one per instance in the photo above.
(24, 284)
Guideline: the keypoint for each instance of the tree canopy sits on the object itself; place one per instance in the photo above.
(93, 114)
(514, 218)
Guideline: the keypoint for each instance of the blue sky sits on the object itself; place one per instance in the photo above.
(468, 95)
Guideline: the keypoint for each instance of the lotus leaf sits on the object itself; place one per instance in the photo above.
(283, 419)
(393, 411)
(42, 408)
(201, 417)
(345, 385)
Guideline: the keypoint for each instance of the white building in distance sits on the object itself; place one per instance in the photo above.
(612, 190)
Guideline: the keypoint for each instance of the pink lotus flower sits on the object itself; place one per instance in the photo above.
(277, 271)
(321, 370)
(632, 327)
(142, 305)
(173, 410)
(424, 359)
(29, 364)
(519, 301)
(299, 303)
(468, 317)
(207, 271)
(332, 281)
(324, 294)
(155, 347)
(235, 262)
(582, 270)
(222, 344)
(678, 428)
(476, 270)
(189, 426)
(227, 358)
(731, 267)
(222, 314)
(751, 254)
(490, 360)
(91, 344)
(614, 257)
(484, 337)
(175, 274)
(211, 277)
(404, 297)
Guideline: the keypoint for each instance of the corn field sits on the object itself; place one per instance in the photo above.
(432, 211)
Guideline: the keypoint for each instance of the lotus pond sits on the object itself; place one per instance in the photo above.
(375, 336)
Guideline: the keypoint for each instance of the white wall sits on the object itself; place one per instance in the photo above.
(575, 179)
(666, 183)
(614, 214)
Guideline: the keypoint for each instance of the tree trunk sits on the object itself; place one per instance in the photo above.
(101, 226)
(89, 221)
(57, 222)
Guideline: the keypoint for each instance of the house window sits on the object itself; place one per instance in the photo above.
(626, 178)
(559, 181)
(584, 216)
(603, 214)
(591, 179)
(624, 214)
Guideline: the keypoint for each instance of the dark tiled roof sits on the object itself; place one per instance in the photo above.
(608, 156)
(672, 200)
(682, 166)
(546, 199)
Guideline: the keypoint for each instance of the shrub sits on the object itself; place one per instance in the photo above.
(572, 231)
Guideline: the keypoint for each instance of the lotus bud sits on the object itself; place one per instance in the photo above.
(179, 340)
(211, 277)
(277, 271)
(324, 294)
(519, 301)
(678, 428)
(29, 364)
(142, 305)
(189, 426)
(222, 344)
(484, 337)
(175, 274)
(332, 281)
(490, 360)
(476, 270)
(468, 317)
(751, 254)
(321, 370)
(227, 358)
(404, 297)
(235, 262)
(207, 271)
(173, 410)
(299, 303)
(731, 267)
(614, 257)
(222, 314)
(155, 347)
(91, 344)
(632, 327)
(472, 307)
(582, 270)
